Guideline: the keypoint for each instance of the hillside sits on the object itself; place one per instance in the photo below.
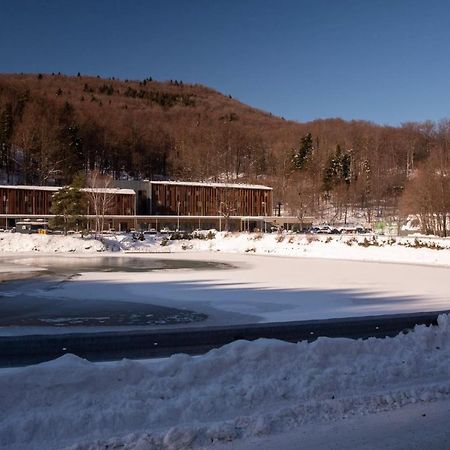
(52, 126)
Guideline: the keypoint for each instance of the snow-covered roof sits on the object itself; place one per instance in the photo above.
(208, 184)
(110, 191)
(34, 188)
(57, 188)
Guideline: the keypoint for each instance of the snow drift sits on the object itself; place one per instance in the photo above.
(419, 249)
(17, 242)
(243, 389)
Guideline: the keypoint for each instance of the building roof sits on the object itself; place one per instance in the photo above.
(207, 184)
(40, 188)
(57, 188)
(110, 191)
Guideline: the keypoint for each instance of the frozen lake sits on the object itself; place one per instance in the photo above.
(203, 288)
(25, 299)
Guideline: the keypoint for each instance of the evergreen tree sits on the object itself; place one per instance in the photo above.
(303, 154)
(69, 206)
(338, 169)
(346, 167)
(6, 129)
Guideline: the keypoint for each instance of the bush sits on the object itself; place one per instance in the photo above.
(367, 243)
(202, 236)
(177, 236)
(420, 244)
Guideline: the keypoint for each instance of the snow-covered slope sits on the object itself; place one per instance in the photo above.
(241, 390)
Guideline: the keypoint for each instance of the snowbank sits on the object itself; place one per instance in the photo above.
(242, 390)
(17, 242)
(358, 247)
(418, 250)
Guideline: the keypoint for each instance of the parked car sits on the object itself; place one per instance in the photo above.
(324, 230)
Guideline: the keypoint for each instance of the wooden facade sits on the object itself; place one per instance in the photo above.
(37, 201)
(153, 204)
(26, 200)
(203, 199)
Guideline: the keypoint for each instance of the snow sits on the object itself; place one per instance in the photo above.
(416, 426)
(332, 393)
(57, 188)
(259, 287)
(17, 243)
(100, 190)
(415, 250)
(209, 184)
(230, 396)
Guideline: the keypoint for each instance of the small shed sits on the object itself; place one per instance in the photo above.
(28, 227)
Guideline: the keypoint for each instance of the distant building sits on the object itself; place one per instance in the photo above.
(155, 204)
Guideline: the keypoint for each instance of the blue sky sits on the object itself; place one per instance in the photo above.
(378, 60)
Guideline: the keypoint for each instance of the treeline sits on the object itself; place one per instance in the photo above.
(53, 126)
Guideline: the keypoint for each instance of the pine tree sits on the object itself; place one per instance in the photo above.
(303, 154)
(69, 206)
(6, 129)
(338, 169)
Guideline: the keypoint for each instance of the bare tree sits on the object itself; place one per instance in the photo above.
(428, 194)
(100, 197)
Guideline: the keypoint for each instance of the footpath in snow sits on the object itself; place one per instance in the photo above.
(239, 392)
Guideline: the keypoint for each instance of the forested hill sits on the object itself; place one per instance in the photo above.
(143, 128)
(53, 126)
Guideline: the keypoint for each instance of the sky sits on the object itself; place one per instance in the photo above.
(384, 61)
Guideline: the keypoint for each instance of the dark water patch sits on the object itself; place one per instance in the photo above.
(60, 313)
(65, 265)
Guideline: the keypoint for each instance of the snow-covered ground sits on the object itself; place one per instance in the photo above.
(257, 288)
(17, 243)
(416, 250)
(332, 393)
(232, 395)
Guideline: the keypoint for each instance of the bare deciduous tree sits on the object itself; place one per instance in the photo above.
(100, 197)
(428, 194)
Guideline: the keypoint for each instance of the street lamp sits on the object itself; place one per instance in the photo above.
(5, 201)
(265, 215)
(220, 216)
(178, 216)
